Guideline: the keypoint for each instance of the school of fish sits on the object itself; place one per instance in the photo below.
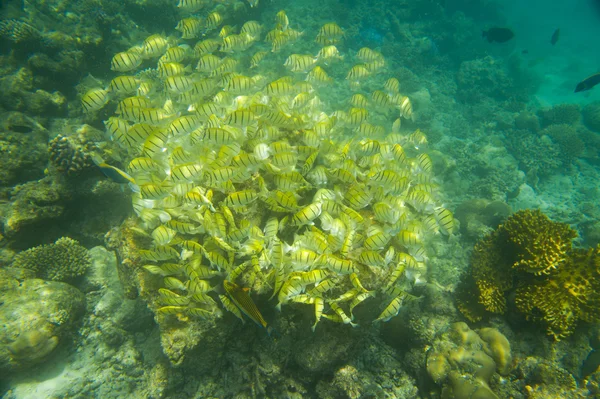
(243, 174)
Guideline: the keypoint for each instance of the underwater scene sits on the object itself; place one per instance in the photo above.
(299, 199)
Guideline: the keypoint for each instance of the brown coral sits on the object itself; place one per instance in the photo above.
(568, 296)
(542, 244)
(67, 157)
(529, 258)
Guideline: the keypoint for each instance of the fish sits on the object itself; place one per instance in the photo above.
(555, 36)
(126, 61)
(94, 99)
(244, 302)
(588, 83)
(498, 35)
(391, 309)
(115, 174)
(590, 364)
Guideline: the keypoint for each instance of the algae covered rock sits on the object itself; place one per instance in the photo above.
(22, 149)
(62, 261)
(37, 316)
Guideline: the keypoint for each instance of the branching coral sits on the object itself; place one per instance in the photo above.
(568, 141)
(535, 154)
(62, 261)
(71, 154)
(561, 114)
(531, 257)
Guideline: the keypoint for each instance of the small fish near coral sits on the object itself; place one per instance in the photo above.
(588, 83)
(555, 37)
(244, 302)
(498, 35)
(115, 174)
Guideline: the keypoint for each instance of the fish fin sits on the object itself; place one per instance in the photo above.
(134, 187)
(97, 159)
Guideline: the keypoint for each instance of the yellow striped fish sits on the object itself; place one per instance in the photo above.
(244, 302)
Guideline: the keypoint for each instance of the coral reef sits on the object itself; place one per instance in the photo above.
(529, 261)
(538, 156)
(484, 77)
(463, 361)
(68, 157)
(62, 261)
(547, 380)
(36, 315)
(561, 114)
(568, 141)
(527, 120)
(541, 245)
(71, 152)
(478, 216)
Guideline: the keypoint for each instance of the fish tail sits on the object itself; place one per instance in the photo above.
(272, 332)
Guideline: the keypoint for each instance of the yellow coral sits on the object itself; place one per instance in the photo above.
(566, 296)
(491, 297)
(542, 243)
(557, 285)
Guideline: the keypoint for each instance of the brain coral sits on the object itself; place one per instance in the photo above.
(557, 285)
(62, 261)
(462, 361)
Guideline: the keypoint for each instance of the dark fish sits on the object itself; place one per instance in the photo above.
(555, 36)
(115, 174)
(498, 35)
(240, 297)
(524, 51)
(588, 83)
(590, 364)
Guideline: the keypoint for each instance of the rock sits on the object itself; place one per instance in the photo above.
(37, 316)
(23, 155)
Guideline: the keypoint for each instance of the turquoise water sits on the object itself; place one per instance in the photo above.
(318, 199)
